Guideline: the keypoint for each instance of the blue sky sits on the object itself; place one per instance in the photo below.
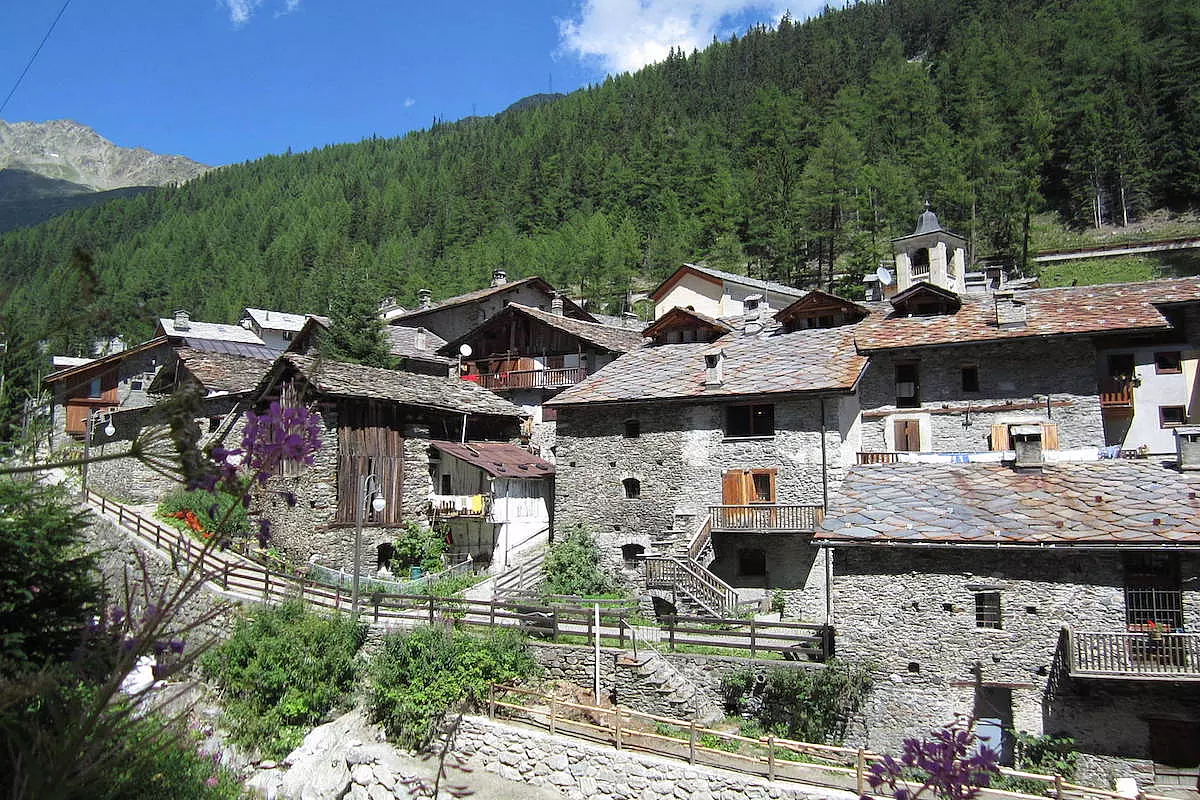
(223, 81)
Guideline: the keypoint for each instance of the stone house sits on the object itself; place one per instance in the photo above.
(413, 349)
(716, 293)
(493, 499)
(528, 356)
(379, 423)
(276, 329)
(1062, 599)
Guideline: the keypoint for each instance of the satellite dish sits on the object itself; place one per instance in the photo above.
(464, 350)
(884, 275)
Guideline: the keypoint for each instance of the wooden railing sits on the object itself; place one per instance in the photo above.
(712, 593)
(765, 518)
(878, 458)
(700, 540)
(1173, 656)
(533, 378)
(1116, 393)
(770, 757)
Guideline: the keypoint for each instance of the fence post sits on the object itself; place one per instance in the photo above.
(375, 601)
(771, 758)
(430, 609)
(621, 634)
(225, 578)
(692, 742)
(1058, 786)
(753, 644)
(492, 613)
(553, 714)
(617, 725)
(860, 771)
(491, 701)
(266, 586)
(671, 630)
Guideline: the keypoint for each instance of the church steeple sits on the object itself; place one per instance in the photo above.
(931, 254)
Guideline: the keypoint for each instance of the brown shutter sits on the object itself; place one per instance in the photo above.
(733, 488)
(1000, 437)
(1049, 436)
(908, 435)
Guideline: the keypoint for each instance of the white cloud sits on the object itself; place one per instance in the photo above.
(240, 11)
(409, 102)
(628, 34)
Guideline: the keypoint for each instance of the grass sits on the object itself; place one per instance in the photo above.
(1120, 269)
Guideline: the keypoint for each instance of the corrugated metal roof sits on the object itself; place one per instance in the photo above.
(498, 459)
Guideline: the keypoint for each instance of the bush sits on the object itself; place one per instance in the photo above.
(1045, 755)
(807, 705)
(283, 670)
(214, 512)
(418, 676)
(417, 546)
(573, 567)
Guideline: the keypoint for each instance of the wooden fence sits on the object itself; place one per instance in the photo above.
(770, 757)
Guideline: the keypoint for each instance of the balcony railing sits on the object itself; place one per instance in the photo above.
(878, 458)
(459, 505)
(1115, 394)
(701, 586)
(765, 518)
(531, 378)
(1172, 656)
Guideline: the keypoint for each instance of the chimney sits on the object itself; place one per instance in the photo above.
(1027, 441)
(556, 305)
(630, 320)
(1187, 446)
(182, 320)
(422, 339)
(499, 277)
(714, 368)
(424, 298)
(1010, 312)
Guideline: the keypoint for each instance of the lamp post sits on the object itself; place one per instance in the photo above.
(369, 493)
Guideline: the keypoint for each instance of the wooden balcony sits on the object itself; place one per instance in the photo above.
(763, 518)
(1134, 656)
(878, 458)
(531, 378)
(1116, 397)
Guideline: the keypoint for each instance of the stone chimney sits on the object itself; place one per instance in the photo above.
(422, 339)
(556, 305)
(1027, 442)
(424, 298)
(1010, 311)
(499, 277)
(183, 320)
(714, 368)
(1187, 446)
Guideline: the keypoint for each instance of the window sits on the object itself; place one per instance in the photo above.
(908, 387)
(633, 488)
(94, 389)
(633, 429)
(741, 487)
(1168, 363)
(752, 561)
(1153, 590)
(1171, 416)
(136, 385)
(987, 610)
(447, 485)
(757, 420)
(763, 485)
(970, 378)
(631, 555)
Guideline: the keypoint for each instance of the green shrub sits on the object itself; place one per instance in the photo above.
(1043, 754)
(807, 705)
(573, 567)
(217, 512)
(417, 546)
(419, 675)
(282, 670)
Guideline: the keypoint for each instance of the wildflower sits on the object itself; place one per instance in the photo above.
(954, 767)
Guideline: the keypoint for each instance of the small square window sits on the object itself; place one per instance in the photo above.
(633, 429)
(756, 420)
(970, 378)
(987, 610)
(1168, 363)
(1171, 416)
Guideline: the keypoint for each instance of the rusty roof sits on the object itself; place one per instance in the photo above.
(1101, 503)
(498, 459)
(1075, 310)
(819, 360)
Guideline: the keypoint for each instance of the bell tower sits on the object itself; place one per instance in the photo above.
(931, 254)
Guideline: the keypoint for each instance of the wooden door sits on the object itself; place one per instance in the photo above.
(908, 435)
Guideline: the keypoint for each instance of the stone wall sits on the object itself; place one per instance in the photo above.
(1010, 375)
(678, 460)
(911, 613)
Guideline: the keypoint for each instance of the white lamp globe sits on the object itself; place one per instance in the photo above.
(378, 504)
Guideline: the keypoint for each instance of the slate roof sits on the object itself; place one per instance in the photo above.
(338, 379)
(244, 349)
(216, 372)
(209, 330)
(498, 459)
(276, 320)
(1105, 503)
(480, 294)
(606, 337)
(103, 362)
(1075, 310)
(402, 343)
(778, 363)
(721, 275)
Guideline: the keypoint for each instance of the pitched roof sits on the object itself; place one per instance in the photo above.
(721, 275)
(684, 318)
(209, 330)
(927, 223)
(402, 343)
(480, 294)
(245, 349)
(817, 301)
(498, 459)
(1108, 502)
(103, 362)
(276, 320)
(215, 372)
(339, 379)
(778, 363)
(1076, 310)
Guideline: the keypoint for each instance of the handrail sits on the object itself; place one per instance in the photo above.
(1123, 654)
(533, 378)
(716, 596)
(768, 517)
(700, 539)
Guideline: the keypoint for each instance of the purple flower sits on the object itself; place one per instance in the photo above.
(176, 646)
(954, 767)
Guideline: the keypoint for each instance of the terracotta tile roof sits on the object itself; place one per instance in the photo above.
(215, 372)
(480, 294)
(498, 459)
(1049, 312)
(1117, 502)
(778, 363)
(338, 379)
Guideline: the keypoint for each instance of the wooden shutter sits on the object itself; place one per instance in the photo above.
(908, 435)
(1000, 437)
(1049, 436)
(733, 488)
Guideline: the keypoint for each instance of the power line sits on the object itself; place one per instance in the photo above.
(33, 57)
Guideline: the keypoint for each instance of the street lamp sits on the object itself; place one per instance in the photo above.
(370, 494)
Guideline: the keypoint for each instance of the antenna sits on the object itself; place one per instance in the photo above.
(884, 275)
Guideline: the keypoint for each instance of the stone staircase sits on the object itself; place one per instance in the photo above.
(660, 685)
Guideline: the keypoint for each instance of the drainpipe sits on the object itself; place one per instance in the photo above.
(824, 461)
(464, 429)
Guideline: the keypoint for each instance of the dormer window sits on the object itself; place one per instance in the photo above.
(819, 309)
(751, 303)
(925, 299)
(714, 368)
